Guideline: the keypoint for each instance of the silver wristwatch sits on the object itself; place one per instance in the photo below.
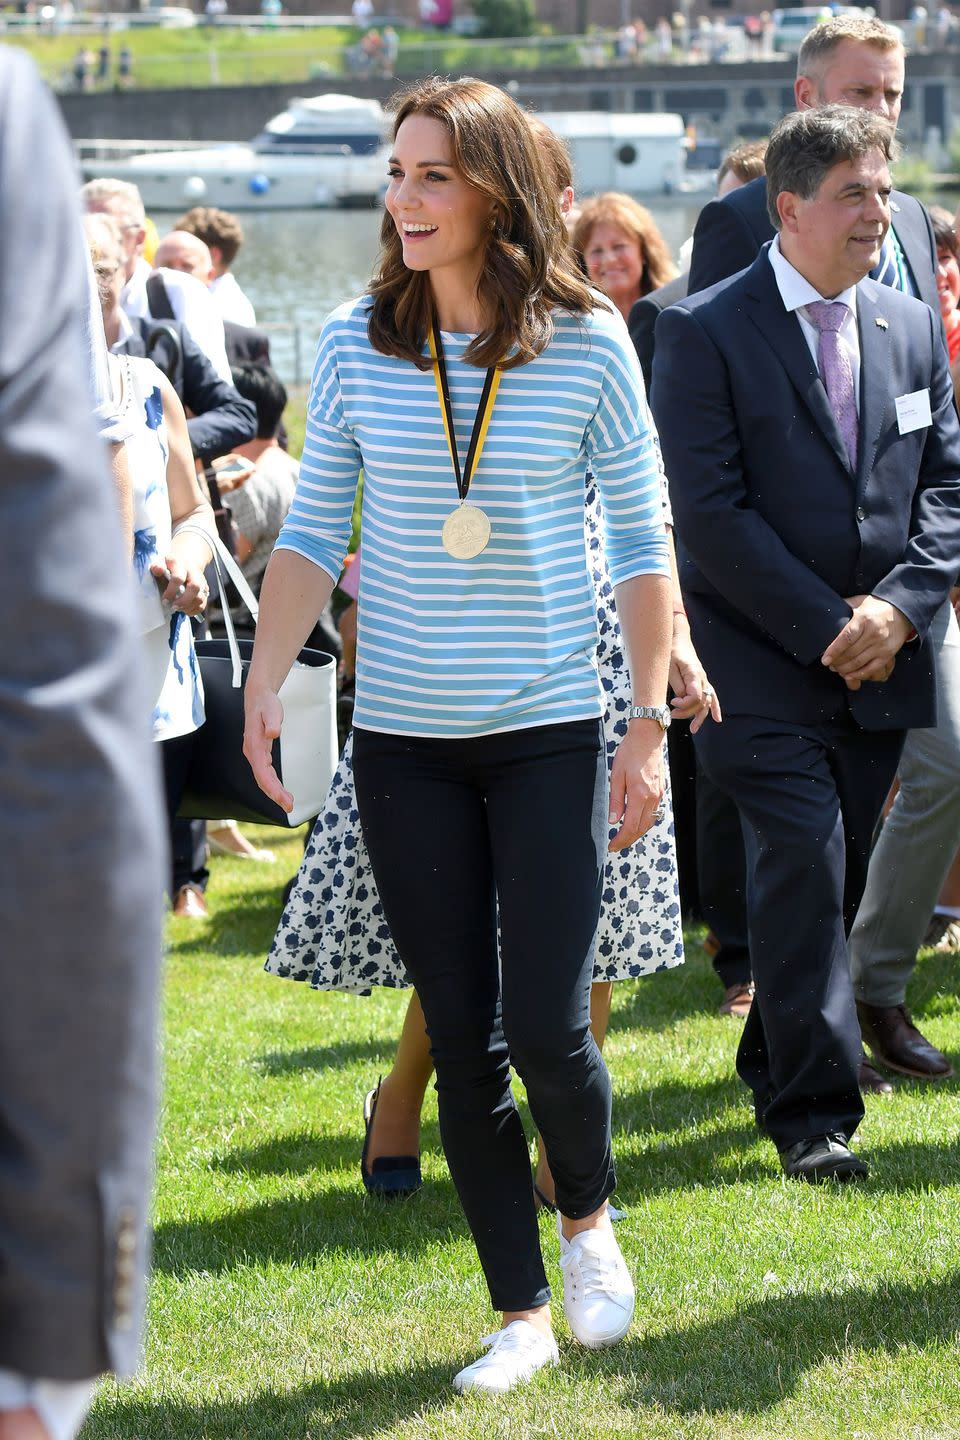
(660, 713)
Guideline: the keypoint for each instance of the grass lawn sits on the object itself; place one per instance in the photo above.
(183, 57)
(287, 1306)
(230, 55)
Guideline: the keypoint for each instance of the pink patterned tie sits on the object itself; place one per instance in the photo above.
(834, 363)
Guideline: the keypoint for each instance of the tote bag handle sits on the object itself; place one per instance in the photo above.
(224, 561)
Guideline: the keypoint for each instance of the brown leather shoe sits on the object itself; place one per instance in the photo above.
(897, 1044)
(738, 999)
(189, 903)
(871, 1082)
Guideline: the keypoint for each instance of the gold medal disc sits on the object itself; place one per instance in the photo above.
(466, 531)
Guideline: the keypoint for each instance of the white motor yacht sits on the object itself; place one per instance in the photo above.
(324, 151)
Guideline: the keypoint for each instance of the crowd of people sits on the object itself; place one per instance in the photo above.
(593, 478)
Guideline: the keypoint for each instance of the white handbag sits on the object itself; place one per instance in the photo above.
(220, 781)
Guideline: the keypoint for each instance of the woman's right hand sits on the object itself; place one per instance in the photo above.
(263, 721)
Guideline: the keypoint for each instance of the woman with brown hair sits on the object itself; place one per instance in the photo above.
(621, 248)
(480, 370)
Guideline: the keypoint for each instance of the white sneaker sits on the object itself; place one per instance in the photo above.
(515, 1354)
(598, 1292)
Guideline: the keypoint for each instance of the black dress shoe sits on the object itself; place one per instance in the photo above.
(896, 1042)
(871, 1082)
(392, 1176)
(822, 1157)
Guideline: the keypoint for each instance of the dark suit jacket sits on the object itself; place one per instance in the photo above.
(246, 345)
(643, 318)
(730, 232)
(81, 810)
(773, 528)
(221, 418)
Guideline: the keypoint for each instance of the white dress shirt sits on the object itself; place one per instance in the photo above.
(193, 306)
(797, 293)
(231, 302)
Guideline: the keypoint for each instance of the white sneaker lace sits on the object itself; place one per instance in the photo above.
(509, 1341)
(592, 1272)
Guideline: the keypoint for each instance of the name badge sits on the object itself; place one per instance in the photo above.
(913, 411)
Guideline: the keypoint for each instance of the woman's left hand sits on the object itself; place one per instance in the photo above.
(187, 589)
(636, 782)
(694, 696)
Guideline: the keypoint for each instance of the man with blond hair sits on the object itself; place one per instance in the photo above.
(850, 60)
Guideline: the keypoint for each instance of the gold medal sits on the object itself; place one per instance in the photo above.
(466, 531)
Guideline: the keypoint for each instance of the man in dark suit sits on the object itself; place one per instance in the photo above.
(710, 857)
(859, 61)
(80, 824)
(845, 61)
(218, 417)
(808, 428)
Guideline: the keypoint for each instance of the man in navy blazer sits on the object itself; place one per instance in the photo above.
(850, 60)
(812, 560)
(857, 60)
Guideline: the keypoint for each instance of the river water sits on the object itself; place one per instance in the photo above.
(296, 265)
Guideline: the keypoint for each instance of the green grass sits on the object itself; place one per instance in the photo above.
(164, 58)
(230, 55)
(288, 1306)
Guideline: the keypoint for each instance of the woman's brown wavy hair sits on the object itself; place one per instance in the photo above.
(614, 208)
(527, 270)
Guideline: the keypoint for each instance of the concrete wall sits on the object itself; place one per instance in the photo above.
(722, 100)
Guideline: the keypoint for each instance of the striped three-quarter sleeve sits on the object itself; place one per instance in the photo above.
(622, 448)
(318, 523)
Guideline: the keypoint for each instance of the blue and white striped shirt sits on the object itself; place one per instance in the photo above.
(507, 640)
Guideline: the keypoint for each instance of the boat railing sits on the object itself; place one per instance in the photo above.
(95, 150)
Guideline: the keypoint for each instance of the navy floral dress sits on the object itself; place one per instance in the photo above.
(333, 932)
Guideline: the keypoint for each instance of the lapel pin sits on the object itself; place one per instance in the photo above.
(881, 322)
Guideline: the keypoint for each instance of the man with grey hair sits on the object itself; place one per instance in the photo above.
(858, 60)
(849, 60)
(818, 530)
(189, 299)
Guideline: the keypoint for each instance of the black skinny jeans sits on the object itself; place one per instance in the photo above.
(456, 828)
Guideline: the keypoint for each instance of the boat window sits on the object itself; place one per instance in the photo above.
(323, 142)
(628, 154)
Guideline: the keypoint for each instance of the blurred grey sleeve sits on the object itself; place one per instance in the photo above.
(81, 817)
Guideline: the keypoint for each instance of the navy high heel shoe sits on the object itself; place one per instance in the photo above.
(392, 1176)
